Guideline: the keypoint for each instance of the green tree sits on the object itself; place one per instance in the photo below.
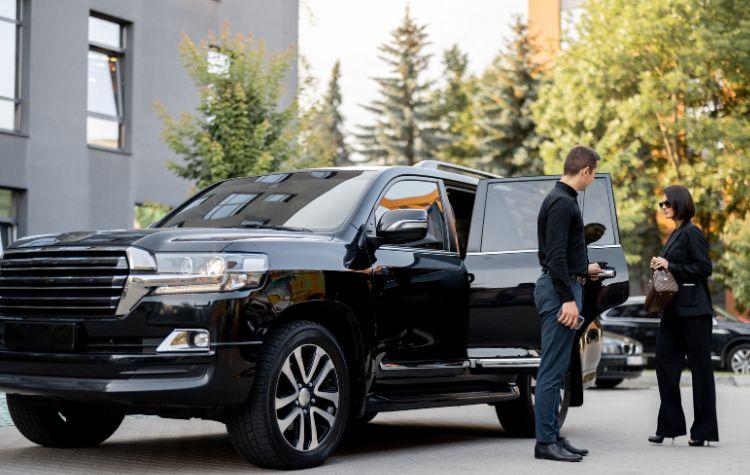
(323, 137)
(401, 133)
(238, 128)
(508, 89)
(150, 212)
(660, 89)
(452, 111)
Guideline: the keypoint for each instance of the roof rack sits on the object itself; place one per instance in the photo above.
(452, 167)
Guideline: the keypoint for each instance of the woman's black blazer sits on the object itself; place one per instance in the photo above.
(686, 251)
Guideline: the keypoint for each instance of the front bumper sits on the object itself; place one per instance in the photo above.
(620, 366)
(115, 359)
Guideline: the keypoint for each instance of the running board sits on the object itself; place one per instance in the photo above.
(383, 403)
(510, 363)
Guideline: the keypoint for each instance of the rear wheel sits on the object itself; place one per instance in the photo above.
(518, 416)
(61, 424)
(297, 410)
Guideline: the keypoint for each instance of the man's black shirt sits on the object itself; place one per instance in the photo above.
(562, 249)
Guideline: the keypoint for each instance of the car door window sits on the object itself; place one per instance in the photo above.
(596, 209)
(417, 194)
(511, 214)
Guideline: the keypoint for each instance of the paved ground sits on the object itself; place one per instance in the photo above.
(614, 424)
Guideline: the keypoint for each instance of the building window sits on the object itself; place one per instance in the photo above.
(10, 60)
(105, 126)
(8, 217)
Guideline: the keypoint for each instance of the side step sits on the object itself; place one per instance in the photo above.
(383, 403)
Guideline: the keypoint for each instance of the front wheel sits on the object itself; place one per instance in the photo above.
(297, 410)
(518, 416)
(61, 424)
(738, 359)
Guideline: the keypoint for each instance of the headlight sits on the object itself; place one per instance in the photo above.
(183, 273)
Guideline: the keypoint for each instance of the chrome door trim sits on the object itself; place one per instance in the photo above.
(528, 362)
(428, 366)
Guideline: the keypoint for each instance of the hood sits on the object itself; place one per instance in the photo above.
(736, 327)
(166, 239)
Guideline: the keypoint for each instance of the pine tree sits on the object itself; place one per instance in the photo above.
(401, 133)
(322, 135)
(508, 89)
(453, 111)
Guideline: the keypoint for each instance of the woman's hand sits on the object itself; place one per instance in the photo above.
(659, 263)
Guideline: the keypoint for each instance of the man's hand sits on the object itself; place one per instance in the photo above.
(594, 271)
(569, 314)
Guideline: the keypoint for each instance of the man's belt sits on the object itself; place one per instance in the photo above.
(580, 278)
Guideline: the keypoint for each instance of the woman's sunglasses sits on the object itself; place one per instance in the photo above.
(663, 204)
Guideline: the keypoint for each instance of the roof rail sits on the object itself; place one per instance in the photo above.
(452, 167)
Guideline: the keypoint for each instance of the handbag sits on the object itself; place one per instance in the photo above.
(662, 289)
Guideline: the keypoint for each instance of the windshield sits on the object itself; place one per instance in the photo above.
(723, 315)
(311, 200)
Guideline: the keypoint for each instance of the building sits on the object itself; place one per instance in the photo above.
(549, 22)
(79, 138)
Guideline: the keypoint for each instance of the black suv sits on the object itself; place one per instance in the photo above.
(291, 305)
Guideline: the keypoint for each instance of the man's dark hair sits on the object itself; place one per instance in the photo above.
(579, 158)
(681, 201)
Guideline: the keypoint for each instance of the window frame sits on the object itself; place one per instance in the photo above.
(12, 220)
(122, 98)
(17, 100)
(476, 239)
(371, 219)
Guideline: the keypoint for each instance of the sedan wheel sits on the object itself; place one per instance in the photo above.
(739, 359)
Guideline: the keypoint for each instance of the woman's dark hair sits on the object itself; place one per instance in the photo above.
(681, 200)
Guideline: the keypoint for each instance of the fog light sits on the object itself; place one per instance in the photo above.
(186, 340)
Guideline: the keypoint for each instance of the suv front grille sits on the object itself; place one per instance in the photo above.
(52, 283)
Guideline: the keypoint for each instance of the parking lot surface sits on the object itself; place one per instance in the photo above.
(613, 424)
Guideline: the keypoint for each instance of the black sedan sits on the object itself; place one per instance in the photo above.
(622, 358)
(730, 342)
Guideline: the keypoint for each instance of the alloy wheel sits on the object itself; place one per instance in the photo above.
(307, 397)
(741, 361)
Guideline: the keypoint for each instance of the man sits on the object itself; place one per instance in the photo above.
(559, 296)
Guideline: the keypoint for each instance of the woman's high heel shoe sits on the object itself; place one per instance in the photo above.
(656, 439)
(696, 443)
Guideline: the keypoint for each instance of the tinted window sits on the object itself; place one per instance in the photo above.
(413, 194)
(512, 209)
(299, 200)
(630, 311)
(596, 209)
(511, 214)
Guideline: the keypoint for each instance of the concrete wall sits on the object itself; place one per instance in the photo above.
(67, 185)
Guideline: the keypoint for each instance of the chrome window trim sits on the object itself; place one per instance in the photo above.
(526, 251)
(421, 250)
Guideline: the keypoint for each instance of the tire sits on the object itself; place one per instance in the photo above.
(608, 383)
(255, 428)
(738, 359)
(61, 424)
(518, 417)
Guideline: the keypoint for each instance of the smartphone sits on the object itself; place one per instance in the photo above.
(579, 323)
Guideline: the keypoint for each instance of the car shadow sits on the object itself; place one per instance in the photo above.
(214, 452)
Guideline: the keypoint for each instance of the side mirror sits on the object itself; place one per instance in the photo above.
(592, 232)
(399, 226)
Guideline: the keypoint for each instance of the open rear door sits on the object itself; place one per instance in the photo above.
(502, 256)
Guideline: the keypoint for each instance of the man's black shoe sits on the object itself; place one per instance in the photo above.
(555, 452)
(565, 444)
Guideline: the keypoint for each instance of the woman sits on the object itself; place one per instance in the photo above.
(686, 326)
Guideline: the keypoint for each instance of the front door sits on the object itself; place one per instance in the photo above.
(420, 287)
